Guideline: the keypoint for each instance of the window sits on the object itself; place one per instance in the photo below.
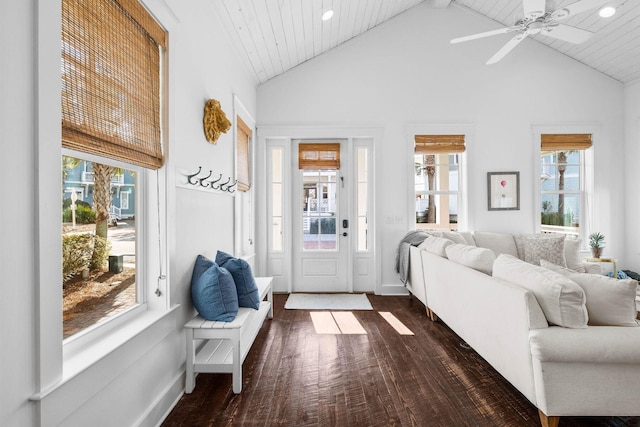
(437, 180)
(111, 138)
(100, 278)
(562, 183)
(277, 201)
(362, 198)
(242, 160)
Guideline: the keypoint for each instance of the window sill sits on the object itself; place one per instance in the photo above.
(155, 323)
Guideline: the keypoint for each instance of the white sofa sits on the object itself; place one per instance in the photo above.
(586, 371)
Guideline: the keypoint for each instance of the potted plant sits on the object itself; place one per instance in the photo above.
(596, 242)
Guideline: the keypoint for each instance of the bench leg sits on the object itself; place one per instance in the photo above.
(237, 365)
(270, 299)
(191, 355)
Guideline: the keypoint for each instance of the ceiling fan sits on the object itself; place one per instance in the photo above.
(537, 21)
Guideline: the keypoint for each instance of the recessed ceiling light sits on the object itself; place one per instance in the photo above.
(607, 11)
(327, 15)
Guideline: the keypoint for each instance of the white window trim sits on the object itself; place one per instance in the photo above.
(239, 110)
(588, 171)
(53, 369)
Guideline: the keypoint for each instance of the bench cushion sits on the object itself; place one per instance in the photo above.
(240, 270)
(213, 291)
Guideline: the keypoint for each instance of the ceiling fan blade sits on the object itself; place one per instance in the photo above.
(506, 48)
(567, 33)
(533, 8)
(485, 34)
(575, 8)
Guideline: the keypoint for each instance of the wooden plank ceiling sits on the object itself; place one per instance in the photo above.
(275, 35)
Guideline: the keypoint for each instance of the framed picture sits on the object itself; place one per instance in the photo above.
(503, 189)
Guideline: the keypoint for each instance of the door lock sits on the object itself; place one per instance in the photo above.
(344, 234)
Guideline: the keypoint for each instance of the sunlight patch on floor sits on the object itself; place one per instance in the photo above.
(345, 323)
(336, 323)
(397, 324)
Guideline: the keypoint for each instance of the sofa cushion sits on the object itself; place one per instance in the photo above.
(572, 255)
(436, 245)
(454, 236)
(562, 300)
(610, 302)
(468, 236)
(499, 243)
(533, 247)
(480, 259)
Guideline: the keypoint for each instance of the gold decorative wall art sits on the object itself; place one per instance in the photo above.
(215, 121)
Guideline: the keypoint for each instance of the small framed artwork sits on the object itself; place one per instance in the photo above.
(504, 191)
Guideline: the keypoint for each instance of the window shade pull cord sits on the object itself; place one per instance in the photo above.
(161, 276)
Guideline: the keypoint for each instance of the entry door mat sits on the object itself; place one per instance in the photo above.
(328, 302)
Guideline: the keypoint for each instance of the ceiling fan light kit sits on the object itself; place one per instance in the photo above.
(537, 21)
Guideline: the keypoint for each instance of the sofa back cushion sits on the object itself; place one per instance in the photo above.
(499, 243)
(562, 301)
(610, 302)
(480, 259)
(436, 245)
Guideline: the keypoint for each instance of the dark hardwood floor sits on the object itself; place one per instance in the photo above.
(295, 377)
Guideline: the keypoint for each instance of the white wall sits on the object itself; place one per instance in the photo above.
(138, 383)
(631, 201)
(405, 72)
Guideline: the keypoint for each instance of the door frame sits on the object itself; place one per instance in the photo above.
(283, 136)
(344, 203)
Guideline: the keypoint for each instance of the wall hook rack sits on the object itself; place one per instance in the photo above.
(199, 180)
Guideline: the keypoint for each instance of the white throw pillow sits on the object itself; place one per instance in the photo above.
(454, 236)
(468, 236)
(534, 247)
(499, 243)
(572, 255)
(480, 259)
(436, 245)
(562, 301)
(610, 302)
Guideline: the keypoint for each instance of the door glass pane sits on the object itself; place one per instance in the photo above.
(276, 200)
(362, 199)
(319, 210)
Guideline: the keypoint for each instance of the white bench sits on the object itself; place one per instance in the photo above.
(227, 343)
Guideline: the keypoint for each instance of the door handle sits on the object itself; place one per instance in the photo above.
(344, 234)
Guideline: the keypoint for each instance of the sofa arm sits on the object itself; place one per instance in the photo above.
(595, 344)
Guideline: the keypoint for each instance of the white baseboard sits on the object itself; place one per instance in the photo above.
(164, 404)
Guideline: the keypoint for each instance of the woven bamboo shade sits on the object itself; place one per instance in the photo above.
(242, 156)
(111, 80)
(439, 144)
(565, 142)
(318, 156)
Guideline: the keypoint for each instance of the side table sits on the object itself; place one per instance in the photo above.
(613, 261)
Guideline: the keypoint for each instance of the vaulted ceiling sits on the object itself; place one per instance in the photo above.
(276, 35)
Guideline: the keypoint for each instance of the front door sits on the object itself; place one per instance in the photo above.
(321, 234)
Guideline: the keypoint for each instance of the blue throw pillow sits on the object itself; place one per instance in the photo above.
(240, 269)
(213, 291)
